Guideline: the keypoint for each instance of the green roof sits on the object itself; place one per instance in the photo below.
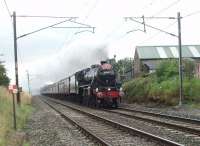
(159, 52)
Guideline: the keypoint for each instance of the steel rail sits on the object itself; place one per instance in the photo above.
(188, 120)
(170, 125)
(122, 126)
(83, 129)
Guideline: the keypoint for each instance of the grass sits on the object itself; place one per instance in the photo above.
(193, 105)
(6, 114)
(26, 144)
(148, 89)
(162, 86)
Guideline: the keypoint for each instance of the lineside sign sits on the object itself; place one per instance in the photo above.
(12, 88)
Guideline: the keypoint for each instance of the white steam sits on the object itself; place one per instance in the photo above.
(66, 62)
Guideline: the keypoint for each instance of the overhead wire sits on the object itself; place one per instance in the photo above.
(32, 16)
(69, 39)
(191, 14)
(7, 8)
(88, 14)
(166, 8)
(56, 23)
(69, 19)
(146, 6)
(158, 13)
(150, 26)
(91, 9)
(168, 26)
(86, 17)
(50, 26)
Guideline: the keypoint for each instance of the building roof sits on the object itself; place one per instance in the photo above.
(161, 52)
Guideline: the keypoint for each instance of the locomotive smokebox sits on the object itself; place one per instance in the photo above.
(103, 62)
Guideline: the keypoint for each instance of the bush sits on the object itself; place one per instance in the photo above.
(192, 90)
(166, 92)
(163, 85)
(138, 89)
(188, 68)
(167, 70)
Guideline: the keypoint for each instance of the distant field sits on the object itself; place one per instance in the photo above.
(6, 114)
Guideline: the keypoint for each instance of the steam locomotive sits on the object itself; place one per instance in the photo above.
(95, 86)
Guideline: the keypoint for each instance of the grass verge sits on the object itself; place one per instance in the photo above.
(6, 114)
(148, 89)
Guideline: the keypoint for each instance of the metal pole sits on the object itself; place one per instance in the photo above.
(75, 84)
(29, 89)
(15, 53)
(69, 85)
(144, 23)
(14, 112)
(180, 59)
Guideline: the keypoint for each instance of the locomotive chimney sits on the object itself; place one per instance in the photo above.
(103, 62)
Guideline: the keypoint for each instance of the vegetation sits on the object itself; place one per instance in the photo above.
(4, 80)
(167, 70)
(6, 120)
(163, 85)
(123, 65)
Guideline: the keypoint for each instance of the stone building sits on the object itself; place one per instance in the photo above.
(150, 56)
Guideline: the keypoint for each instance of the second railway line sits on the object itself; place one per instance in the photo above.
(169, 133)
(111, 131)
(191, 126)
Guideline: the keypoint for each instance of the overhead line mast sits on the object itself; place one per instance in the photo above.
(69, 19)
(174, 35)
(16, 60)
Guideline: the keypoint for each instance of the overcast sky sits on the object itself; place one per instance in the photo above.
(53, 54)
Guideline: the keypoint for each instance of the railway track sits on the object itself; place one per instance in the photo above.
(106, 131)
(86, 131)
(187, 125)
(188, 120)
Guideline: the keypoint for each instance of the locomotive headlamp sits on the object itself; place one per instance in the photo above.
(109, 89)
(97, 89)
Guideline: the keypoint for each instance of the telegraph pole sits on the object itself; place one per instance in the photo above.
(15, 53)
(180, 59)
(28, 79)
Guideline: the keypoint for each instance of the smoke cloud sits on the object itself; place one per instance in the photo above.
(68, 61)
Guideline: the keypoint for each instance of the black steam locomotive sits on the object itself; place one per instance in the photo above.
(94, 86)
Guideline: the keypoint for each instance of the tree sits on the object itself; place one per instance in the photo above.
(4, 80)
(123, 65)
(188, 68)
(167, 69)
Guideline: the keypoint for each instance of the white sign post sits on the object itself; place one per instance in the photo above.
(13, 90)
